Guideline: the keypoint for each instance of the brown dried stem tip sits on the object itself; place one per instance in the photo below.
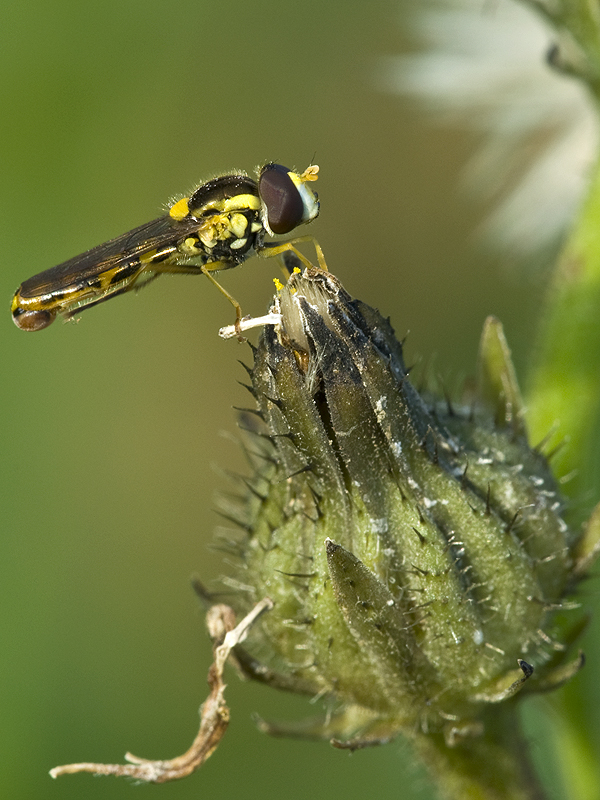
(214, 713)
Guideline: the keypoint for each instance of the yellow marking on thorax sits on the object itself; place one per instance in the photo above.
(238, 224)
(240, 202)
(218, 230)
(189, 247)
(180, 209)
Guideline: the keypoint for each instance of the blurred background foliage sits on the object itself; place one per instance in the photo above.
(117, 430)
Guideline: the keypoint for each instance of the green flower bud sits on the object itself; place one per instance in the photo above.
(415, 553)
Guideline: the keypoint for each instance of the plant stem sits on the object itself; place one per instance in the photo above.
(495, 766)
(564, 384)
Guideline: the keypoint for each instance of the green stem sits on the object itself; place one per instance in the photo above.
(575, 748)
(564, 392)
(494, 766)
(564, 384)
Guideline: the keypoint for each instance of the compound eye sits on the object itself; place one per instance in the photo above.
(281, 199)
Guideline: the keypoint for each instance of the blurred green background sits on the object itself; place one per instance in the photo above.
(116, 429)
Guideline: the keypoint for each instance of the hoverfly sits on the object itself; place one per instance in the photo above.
(217, 227)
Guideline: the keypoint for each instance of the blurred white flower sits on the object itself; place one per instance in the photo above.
(483, 64)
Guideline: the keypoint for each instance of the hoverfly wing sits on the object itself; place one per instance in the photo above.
(111, 268)
(89, 265)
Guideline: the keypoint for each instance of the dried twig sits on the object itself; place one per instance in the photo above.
(214, 713)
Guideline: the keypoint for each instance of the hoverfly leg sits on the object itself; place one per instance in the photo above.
(238, 309)
(270, 249)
